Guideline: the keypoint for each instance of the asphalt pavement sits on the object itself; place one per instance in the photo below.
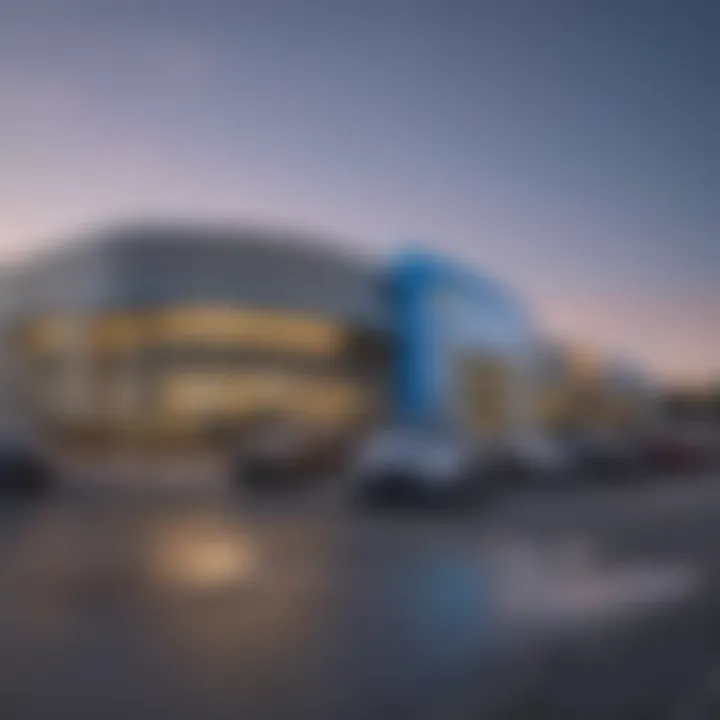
(600, 602)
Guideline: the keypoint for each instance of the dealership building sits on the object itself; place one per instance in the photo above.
(184, 334)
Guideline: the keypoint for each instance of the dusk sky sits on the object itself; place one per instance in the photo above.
(568, 147)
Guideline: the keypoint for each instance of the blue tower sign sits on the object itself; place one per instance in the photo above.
(443, 312)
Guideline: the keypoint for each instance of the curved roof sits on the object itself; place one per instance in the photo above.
(159, 264)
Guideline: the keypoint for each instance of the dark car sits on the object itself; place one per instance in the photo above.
(679, 451)
(284, 457)
(23, 467)
(606, 456)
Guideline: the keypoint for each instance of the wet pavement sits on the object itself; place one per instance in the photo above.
(186, 606)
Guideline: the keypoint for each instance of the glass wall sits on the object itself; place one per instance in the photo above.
(205, 371)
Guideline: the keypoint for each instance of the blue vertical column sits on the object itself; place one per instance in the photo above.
(418, 362)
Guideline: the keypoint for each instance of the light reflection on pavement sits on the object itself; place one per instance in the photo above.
(204, 610)
(568, 584)
(196, 609)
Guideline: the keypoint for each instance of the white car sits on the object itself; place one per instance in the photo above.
(419, 466)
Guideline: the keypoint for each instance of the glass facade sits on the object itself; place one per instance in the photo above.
(201, 370)
(199, 335)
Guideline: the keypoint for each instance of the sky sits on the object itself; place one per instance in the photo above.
(568, 147)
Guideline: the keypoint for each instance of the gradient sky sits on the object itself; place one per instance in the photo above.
(569, 147)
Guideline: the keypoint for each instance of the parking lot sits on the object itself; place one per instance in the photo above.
(595, 603)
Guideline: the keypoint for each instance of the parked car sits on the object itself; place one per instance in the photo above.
(607, 456)
(534, 457)
(284, 456)
(680, 450)
(23, 467)
(421, 466)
